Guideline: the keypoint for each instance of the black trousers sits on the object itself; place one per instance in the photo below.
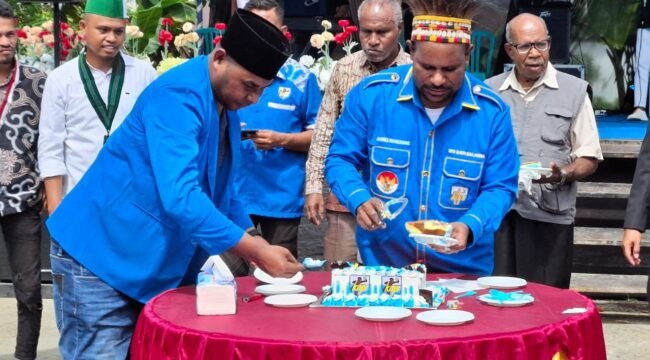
(22, 234)
(536, 251)
(277, 231)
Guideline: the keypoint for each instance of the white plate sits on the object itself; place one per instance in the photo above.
(508, 303)
(290, 300)
(383, 313)
(445, 317)
(434, 240)
(260, 275)
(501, 282)
(276, 289)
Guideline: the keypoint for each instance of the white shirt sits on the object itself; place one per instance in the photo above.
(584, 132)
(70, 132)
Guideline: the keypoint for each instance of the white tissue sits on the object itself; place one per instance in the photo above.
(216, 289)
(526, 177)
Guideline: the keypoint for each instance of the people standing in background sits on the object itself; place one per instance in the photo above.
(21, 193)
(270, 180)
(642, 65)
(87, 98)
(555, 125)
(380, 23)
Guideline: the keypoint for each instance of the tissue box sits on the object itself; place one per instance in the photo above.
(216, 289)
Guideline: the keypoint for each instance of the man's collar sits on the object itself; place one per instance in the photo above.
(549, 78)
(464, 97)
(368, 65)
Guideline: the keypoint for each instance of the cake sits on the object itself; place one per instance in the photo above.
(428, 227)
(382, 286)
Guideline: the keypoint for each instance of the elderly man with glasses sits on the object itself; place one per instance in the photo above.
(555, 128)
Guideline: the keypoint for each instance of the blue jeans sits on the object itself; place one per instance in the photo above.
(94, 320)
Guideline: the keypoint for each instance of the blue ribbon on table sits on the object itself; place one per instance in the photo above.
(502, 296)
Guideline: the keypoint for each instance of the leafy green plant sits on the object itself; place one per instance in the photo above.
(613, 23)
(147, 18)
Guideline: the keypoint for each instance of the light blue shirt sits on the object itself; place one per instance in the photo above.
(462, 168)
(271, 182)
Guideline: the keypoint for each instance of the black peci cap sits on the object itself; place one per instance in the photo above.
(256, 44)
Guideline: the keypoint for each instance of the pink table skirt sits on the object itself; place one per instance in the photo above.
(169, 328)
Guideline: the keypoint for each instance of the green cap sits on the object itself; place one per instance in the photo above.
(109, 8)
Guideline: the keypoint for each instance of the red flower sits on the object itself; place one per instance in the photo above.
(165, 37)
(66, 43)
(65, 53)
(21, 34)
(64, 26)
(340, 38)
(166, 21)
(288, 35)
(43, 33)
(217, 39)
(344, 23)
(220, 26)
(351, 29)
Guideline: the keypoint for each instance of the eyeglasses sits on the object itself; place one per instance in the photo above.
(542, 45)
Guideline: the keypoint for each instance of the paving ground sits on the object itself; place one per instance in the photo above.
(625, 339)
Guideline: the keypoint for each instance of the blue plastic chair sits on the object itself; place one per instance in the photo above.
(207, 36)
(482, 56)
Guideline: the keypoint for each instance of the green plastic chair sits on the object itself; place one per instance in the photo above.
(482, 56)
(207, 36)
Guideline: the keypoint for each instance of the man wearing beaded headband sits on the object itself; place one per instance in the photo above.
(555, 126)
(434, 135)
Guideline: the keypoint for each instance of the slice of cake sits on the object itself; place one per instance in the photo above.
(428, 227)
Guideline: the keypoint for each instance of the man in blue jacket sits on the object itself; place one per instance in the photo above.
(158, 199)
(434, 135)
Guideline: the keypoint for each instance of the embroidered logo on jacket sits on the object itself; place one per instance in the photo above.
(387, 182)
(284, 92)
(458, 194)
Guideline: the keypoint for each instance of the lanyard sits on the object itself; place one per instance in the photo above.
(105, 113)
(8, 91)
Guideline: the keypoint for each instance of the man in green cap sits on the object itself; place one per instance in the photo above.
(87, 98)
(160, 197)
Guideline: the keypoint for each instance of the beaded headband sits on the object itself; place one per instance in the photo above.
(441, 29)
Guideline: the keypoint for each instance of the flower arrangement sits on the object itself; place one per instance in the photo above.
(186, 44)
(322, 67)
(36, 44)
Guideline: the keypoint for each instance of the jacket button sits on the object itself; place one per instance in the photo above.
(425, 173)
(461, 173)
(423, 208)
(389, 161)
(431, 133)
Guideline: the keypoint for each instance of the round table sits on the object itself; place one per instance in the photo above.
(168, 328)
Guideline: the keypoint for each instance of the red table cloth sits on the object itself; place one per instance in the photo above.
(168, 328)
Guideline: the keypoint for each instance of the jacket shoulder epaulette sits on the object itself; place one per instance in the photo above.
(381, 78)
(486, 92)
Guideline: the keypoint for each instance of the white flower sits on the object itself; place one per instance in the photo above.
(48, 25)
(68, 32)
(193, 37)
(326, 24)
(317, 41)
(327, 36)
(324, 77)
(187, 27)
(179, 40)
(35, 30)
(132, 30)
(306, 60)
(48, 39)
(139, 35)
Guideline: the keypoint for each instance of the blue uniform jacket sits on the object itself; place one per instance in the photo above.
(464, 168)
(155, 191)
(272, 182)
